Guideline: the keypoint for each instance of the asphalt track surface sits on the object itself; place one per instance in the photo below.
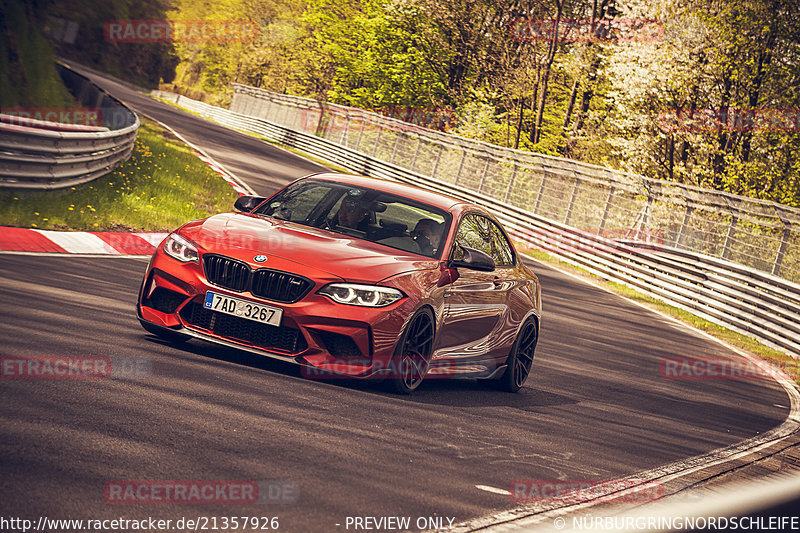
(595, 408)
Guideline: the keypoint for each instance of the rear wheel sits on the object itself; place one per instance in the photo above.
(414, 351)
(520, 360)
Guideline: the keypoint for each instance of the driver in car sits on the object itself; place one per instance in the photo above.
(352, 214)
(427, 233)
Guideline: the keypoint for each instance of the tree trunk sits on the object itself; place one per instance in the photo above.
(534, 100)
(570, 105)
(718, 161)
(671, 156)
(586, 97)
(551, 54)
(519, 121)
(764, 60)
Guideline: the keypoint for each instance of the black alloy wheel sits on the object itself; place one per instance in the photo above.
(520, 360)
(414, 351)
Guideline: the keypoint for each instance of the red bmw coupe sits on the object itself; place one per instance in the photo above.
(352, 276)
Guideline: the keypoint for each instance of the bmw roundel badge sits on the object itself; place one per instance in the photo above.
(260, 258)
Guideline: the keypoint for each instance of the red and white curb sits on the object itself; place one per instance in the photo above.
(78, 242)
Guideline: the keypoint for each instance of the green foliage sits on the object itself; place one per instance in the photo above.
(379, 55)
(145, 64)
(28, 76)
(212, 66)
(600, 101)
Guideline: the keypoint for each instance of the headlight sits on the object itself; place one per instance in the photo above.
(179, 248)
(363, 295)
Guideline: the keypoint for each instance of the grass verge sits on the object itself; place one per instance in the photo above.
(743, 342)
(160, 187)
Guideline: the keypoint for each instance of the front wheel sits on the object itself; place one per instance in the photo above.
(520, 360)
(413, 353)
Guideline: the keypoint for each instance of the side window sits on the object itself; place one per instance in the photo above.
(480, 233)
(501, 249)
(472, 233)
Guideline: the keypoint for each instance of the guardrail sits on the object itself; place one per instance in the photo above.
(760, 234)
(37, 154)
(754, 303)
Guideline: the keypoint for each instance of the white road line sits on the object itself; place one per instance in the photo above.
(493, 490)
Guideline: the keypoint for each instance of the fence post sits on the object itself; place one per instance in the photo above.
(319, 129)
(776, 265)
(726, 248)
(361, 132)
(645, 221)
(377, 140)
(572, 201)
(436, 164)
(540, 193)
(483, 174)
(396, 142)
(416, 152)
(682, 229)
(460, 165)
(606, 209)
(345, 130)
(510, 183)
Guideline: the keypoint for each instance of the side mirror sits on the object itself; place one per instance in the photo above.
(248, 203)
(474, 260)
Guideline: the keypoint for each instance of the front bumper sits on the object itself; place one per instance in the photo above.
(325, 337)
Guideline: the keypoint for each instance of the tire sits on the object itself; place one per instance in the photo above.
(413, 353)
(520, 360)
(165, 333)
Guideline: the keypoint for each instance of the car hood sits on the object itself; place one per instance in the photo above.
(301, 249)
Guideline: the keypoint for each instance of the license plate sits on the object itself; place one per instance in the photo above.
(243, 309)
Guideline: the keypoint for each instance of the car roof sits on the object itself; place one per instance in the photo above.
(435, 199)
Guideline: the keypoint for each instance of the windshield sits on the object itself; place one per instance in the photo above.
(363, 213)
